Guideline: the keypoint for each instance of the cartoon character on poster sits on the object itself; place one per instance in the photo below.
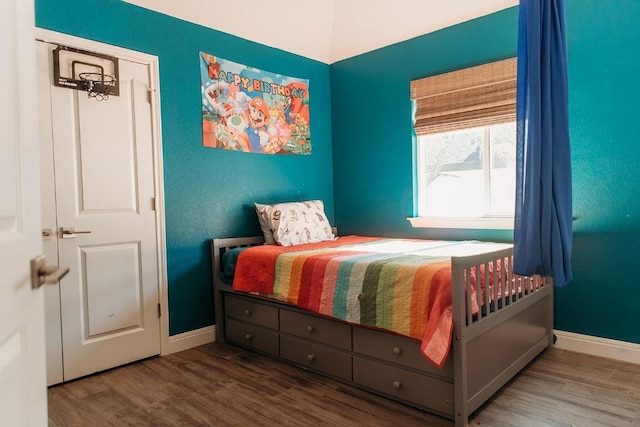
(246, 109)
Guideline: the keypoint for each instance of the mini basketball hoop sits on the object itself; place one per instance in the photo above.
(95, 73)
(97, 85)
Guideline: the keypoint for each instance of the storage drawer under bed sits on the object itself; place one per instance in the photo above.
(247, 310)
(421, 390)
(396, 349)
(317, 357)
(253, 336)
(315, 328)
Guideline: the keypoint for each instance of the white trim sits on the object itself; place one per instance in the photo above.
(122, 53)
(479, 223)
(596, 346)
(190, 339)
(154, 70)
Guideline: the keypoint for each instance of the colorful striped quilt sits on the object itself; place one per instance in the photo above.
(401, 285)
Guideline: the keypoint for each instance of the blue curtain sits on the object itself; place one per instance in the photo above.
(543, 235)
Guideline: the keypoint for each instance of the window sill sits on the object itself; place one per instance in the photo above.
(480, 223)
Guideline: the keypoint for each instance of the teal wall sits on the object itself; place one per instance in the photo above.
(373, 148)
(208, 192)
(372, 128)
(604, 66)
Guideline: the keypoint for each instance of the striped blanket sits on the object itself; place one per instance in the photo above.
(401, 285)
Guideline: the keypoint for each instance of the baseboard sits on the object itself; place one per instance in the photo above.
(191, 339)
(596, 346)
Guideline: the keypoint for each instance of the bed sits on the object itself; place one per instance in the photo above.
(434, 324)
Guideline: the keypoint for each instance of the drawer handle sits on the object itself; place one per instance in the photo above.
(397, 384)
(248, 337)
(310, 328)
(397, 351)
(311, 357)
(247, 312)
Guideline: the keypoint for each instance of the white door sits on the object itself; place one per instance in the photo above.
(53, 328)
(105, 222)
(23, 398)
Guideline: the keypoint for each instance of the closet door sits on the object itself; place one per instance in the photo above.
(106, 224)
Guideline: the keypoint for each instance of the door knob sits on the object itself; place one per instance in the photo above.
(42, 274)
(70, 232)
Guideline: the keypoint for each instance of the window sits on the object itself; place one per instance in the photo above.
(465, 126)
(468, 173)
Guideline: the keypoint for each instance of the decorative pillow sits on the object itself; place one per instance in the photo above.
(295, 223)
(265, 226)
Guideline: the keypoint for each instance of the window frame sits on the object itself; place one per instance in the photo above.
(441, 103)
(489, 221)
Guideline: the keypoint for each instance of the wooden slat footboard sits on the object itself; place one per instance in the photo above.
(514, 324)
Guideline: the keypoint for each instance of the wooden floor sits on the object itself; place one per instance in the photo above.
(221, 385)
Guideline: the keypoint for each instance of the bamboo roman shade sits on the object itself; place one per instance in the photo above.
(477, 96)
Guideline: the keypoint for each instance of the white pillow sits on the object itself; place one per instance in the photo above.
(263, 218)
(294, 223)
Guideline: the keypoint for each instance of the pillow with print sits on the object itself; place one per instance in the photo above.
(265, 225)
(295, 223)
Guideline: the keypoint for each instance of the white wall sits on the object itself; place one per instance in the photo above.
(326, 30)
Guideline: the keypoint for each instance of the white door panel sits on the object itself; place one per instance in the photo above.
(53, 328)
(113, 301)
(104, 143)
(104, 186)
(106, 154)
(104, 182)
(23, 398)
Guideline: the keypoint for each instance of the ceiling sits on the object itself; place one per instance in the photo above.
(326, 30)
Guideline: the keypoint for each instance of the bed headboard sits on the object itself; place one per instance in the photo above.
(220, 246)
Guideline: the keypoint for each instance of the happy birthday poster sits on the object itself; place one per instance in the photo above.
(254, 111)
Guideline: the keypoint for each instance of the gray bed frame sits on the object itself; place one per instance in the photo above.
(488, 348)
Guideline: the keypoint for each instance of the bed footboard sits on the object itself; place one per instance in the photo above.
(512, 324)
